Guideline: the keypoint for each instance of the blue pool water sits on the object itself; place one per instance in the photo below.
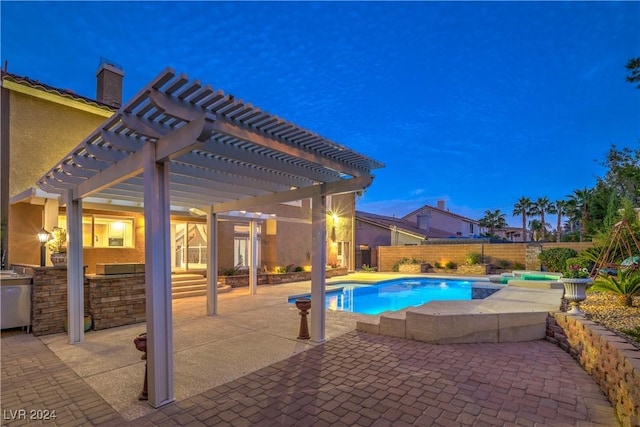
(393, 295)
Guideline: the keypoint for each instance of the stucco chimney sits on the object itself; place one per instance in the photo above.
(109, 88)
(441, 205)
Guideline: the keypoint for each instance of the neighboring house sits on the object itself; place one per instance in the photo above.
(379, 230)
(440, 222)
(41, 124)
(512, 234)
(425, 223)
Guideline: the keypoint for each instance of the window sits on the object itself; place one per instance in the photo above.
(105, 232)
(241, 245)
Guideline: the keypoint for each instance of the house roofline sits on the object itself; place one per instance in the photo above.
(475, 221)
(30, 87)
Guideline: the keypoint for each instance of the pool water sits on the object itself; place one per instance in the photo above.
(393, 295)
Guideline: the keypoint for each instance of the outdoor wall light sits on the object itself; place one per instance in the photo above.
(43, 237)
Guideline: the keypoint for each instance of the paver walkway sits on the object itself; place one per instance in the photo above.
(356, 379)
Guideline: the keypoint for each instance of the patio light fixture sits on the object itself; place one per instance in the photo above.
(43, 237)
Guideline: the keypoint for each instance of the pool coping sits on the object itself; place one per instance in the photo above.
(516, 313)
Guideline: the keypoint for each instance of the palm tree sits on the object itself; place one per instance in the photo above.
(541, 206)
(523, 207)
(581, 200)
(536, 227)
(572, 211)
(560, 208)
(493, 220)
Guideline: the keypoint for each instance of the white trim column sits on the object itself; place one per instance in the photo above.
(212, 262)
(318, 265)
(253, 257)
(51, 211)
(75, 271)
(158, 279)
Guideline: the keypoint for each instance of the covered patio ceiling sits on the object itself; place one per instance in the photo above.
(219, 149)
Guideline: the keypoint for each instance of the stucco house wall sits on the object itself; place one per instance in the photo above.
(41, 133)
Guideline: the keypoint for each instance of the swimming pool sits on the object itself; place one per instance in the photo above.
(397, 294)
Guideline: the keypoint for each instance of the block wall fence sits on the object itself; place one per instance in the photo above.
(522, 253)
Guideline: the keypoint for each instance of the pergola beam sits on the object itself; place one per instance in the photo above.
(345, 186)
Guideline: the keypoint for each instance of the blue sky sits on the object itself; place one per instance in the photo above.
(476, 103)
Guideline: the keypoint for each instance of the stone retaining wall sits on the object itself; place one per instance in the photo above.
(612, 362)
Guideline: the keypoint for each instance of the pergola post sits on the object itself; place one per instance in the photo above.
(212, 262)
(75, 271)
(318, 265)
(253, 257)
(158, 280)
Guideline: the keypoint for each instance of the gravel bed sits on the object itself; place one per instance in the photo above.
(606, 310)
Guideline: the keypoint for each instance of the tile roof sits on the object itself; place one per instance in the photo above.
(53, 90)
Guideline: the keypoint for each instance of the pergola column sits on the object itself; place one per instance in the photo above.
(158, 279)
(212, 262)
(318, 265)
(253, 257)
(75, 271)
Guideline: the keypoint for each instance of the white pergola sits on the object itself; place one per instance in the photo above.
(178, 145)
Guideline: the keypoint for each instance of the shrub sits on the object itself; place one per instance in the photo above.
(556, 259)
(503, 263)
(298, 269)
(285, 269)
(234, 271)
(451, 265)
(577, 262)
(438, 265)
(518, 266)
(366, 267)
(473, 258)
(626, 284)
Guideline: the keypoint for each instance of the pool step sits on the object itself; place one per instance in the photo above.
(513, 314)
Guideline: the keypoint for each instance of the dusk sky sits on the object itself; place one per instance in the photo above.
(476, 103)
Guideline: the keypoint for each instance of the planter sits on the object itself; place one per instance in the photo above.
(474, 269)
(410, 268)
(59, 259)
(575, 293)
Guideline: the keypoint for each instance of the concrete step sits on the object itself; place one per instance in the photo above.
(185, 277)
(186, 285)
(192, 282)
